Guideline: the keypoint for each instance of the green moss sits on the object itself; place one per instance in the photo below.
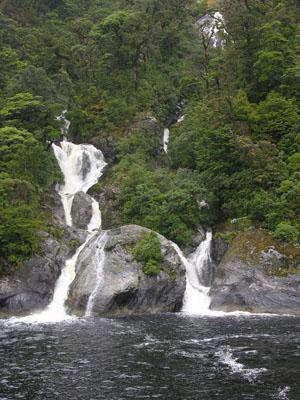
(227, 237)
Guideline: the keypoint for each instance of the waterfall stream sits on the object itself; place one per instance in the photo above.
(166, 139)
(82, 166)
(98, 260)
(196, 299)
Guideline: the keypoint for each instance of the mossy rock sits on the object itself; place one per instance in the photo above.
(259, 249)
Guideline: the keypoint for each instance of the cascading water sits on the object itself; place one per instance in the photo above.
(98, 260)
(166, 139)
(196, 299)
(82, 166)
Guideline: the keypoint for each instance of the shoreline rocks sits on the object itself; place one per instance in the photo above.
(258, 275)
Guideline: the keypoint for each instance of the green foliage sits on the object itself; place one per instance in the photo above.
(107, 61)
(151, 268)
(227, 237)
(148, 250)
(19, 221)
(74, 243)
(286, 232)
(22, 156)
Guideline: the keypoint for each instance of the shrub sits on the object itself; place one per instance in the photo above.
(285, 232)
(151, 268)
(148, 250)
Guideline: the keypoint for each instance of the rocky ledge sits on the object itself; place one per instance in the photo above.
(122, 288)
(257, 274)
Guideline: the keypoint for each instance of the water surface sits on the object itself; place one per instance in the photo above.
(173, 356)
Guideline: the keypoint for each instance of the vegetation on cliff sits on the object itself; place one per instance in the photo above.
(238, 147)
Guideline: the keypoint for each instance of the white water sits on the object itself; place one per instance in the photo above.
(56, 311)
(73, 160)
(81, 166)
(210, 26)
(65, 123)
(98, 259)
(196, 299)
(225, 355)
(166, 139)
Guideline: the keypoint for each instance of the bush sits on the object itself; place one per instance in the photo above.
(151, 268)
(286, 232)
(148, 250)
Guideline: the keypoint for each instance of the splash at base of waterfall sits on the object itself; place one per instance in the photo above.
(196, 299)
(56, 311)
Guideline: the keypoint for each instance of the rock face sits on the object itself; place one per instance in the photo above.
(32, 287)
(122, 286)
(257, 274)
(106, 193)
(82, 210)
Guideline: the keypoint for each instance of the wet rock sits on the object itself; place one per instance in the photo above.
(257, 274)
(54, 204)
(106, 194)
(82, 210)
(31, 288)
(218, 249)
(123, 287)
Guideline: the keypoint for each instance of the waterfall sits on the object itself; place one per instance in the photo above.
(98, 260)
(82, 166)
(196, 299)
(65, 124)
(166, 139)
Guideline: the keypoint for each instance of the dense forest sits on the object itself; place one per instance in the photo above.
(237, 149)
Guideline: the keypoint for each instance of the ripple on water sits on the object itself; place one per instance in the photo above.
(169, 357)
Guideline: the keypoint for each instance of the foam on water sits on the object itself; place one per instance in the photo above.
(225, 355)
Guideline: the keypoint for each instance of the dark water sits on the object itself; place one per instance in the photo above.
(155, 357)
